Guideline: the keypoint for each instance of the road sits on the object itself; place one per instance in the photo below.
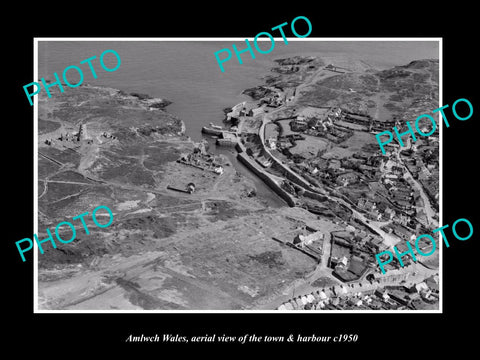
(429, 211)
(388, 239)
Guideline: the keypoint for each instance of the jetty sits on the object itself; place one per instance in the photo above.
(227, 139)
(213, 129)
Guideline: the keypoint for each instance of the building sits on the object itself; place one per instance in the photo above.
(389, 213)
(402, 232)
(191, 188)
(218, 170)
(299, 124)
(255, 111)
(82, 133)
(366, 205)
(347, 178)
(304, 240)
(271, 143)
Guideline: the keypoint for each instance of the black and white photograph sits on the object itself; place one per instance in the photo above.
(260, 188)
(300, 177)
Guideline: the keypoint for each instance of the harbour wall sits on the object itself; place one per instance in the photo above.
(244, 159)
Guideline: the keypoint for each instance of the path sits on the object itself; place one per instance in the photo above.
(388, 239)
(429, 211)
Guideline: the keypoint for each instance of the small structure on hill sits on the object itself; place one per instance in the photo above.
(191, 187)
(82, 133)
(303, 240)
(218, 170)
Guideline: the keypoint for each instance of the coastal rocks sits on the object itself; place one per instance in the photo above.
(296, 66)
(296, 60)
(286, 69)
(162, 103)
(141, 96)
(258, 92)
(174, 127)
(152, 103)
(421, 64)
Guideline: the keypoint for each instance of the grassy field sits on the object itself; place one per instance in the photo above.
(271, 131)
(309, 147)
(356, 143)
(401, 92)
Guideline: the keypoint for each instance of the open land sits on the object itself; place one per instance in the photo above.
(189, 231)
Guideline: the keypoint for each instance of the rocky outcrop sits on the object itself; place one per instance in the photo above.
(258, 92)
(296, 60)
(421, 64)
